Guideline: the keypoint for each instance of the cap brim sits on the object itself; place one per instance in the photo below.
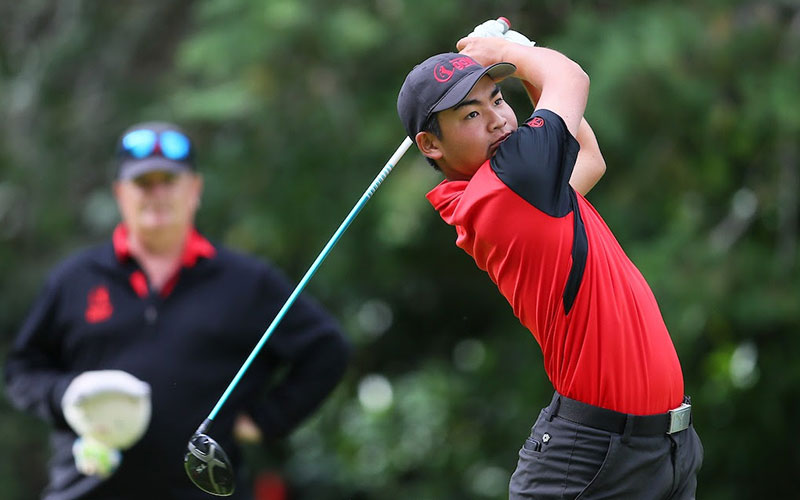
(461, 90)
(131, 169)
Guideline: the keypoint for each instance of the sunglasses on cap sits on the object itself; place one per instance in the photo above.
(143, 143)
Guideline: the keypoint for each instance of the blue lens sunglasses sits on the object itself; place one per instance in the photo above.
(170, 144)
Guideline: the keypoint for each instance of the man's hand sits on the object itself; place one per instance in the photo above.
(93, 458)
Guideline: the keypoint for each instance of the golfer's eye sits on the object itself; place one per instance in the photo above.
(498, 101)
(471, 115)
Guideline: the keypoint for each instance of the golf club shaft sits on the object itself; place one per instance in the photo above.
(299, 288)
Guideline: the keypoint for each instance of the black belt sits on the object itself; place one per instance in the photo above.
(675, 420)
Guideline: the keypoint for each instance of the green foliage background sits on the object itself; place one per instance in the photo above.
(696, 107)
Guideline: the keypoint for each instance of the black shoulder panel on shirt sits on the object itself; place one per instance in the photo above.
(536, 162)
(580, 249)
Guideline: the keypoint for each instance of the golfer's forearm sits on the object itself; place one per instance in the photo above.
(590, 165)
(542, 67)
(562, 85)
(534, 93)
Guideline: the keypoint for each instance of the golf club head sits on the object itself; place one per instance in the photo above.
(208, 466)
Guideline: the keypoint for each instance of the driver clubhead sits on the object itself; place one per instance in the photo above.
(208, 466)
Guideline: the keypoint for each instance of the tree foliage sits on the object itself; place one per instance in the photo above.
(696, 107)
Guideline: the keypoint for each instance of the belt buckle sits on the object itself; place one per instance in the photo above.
(679, 418)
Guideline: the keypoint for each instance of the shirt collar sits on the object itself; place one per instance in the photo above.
(196, 246)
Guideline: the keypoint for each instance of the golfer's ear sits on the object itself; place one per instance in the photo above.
(429, 145)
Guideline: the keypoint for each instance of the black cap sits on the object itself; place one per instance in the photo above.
(440, 82)
(153, 146)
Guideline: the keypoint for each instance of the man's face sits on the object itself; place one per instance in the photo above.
(473, 130)
(159, 200)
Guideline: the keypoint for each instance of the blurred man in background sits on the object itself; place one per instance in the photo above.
(131, 342)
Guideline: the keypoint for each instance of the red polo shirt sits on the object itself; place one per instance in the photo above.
(565, 275)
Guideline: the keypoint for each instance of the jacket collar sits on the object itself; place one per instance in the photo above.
(196, 246)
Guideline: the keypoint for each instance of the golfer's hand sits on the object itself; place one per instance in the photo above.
(497, 29)
(488, 29)
(517, 37)
(485, 50)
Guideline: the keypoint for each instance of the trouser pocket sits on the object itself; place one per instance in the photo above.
(561, 459)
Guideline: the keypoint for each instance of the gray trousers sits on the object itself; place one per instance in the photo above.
(566, 460)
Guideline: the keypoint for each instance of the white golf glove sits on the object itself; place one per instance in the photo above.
(495, 28)
(110, 411)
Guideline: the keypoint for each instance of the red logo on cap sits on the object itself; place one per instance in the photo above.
(98, 305)
(444, 72)
(537, 122)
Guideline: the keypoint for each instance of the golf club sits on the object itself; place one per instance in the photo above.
(205, 461)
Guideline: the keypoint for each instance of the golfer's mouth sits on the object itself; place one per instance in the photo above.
(496, 144)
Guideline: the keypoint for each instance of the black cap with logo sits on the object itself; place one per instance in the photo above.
(440, 82)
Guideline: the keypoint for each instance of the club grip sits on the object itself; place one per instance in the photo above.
(505, 22)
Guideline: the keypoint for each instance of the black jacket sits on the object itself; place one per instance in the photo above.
(97, 312)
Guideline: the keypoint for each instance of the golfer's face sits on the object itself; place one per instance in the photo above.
(159, 200)
(473, 130)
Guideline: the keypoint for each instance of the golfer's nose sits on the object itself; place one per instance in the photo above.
(496, 120)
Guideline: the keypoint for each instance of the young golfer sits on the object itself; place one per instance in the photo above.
(619, 424)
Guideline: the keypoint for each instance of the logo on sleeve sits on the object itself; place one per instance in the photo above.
(536, 122)
(98, 305)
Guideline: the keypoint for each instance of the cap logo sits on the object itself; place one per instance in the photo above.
(444, 72)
